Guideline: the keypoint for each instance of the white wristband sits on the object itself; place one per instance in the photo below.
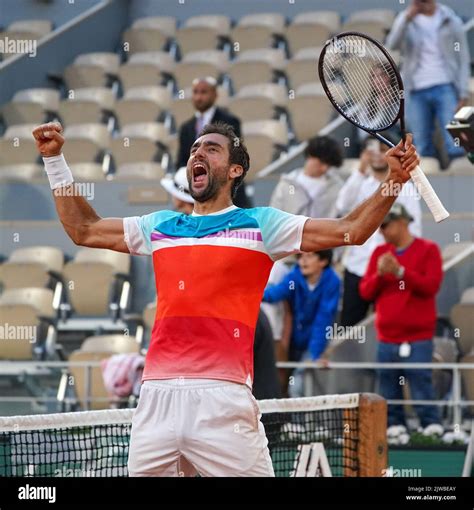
(59, 174)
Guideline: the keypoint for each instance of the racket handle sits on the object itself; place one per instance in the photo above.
(429, 195)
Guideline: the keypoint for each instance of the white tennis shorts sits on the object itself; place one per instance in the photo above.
(182, 427)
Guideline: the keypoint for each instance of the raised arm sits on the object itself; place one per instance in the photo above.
(81, 223)
(357, 226)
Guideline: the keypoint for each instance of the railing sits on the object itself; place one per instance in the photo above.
(40, 368)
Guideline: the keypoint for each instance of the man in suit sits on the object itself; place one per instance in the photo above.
(203, 99)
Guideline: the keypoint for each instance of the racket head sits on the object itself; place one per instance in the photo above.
(362, 81)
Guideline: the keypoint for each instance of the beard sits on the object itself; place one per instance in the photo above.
(210, 191)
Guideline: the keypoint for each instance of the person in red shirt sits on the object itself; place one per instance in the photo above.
(403, 278)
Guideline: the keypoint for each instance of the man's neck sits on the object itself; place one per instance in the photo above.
(213, 205)
(404, 242)
(313, 278)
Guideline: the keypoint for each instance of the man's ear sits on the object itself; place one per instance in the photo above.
(236, 171)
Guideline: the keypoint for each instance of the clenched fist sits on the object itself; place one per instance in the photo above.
(49, 139)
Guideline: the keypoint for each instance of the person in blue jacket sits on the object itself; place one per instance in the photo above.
(312, 290)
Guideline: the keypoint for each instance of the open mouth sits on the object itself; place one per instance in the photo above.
(199, 173)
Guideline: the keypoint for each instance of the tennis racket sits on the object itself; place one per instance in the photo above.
(362, 82)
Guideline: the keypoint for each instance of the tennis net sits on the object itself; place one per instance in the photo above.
(95, 443)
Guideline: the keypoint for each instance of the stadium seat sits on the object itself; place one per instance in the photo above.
(143, 104)
(444, 351)
(20, 172)
(116, 344)
(87, 105)
(23, 39)
(460, 166)
(260, 30)
(86, 143)
(303, 67)
(373, 22)
(451, 250)
(147, 34)
(259, 101)
(206, 32)
(140, 171)
(309, 98)
(256, 66)
(198, 64)
(18, 146)
(40, 27)
(30, 316)
(430, 165)
(462, 319)
(87, 172)
(264, 140)
(29, 106)
(35, 266)
(468, 296)
(95, 279)
(146, 68)
(165, 24)
(311, 29)
(468, 380)
(98, 69)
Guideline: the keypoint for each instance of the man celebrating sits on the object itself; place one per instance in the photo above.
(196, 406)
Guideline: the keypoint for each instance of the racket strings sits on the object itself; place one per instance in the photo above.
(362, 82)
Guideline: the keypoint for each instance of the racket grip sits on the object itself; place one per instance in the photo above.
(429, 195)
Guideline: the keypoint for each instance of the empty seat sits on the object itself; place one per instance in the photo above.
(98, 69)
(36, 105)
(429, 165)
(20, 172)
(116, 344)
(17, 147)
(451, 250)
(468, 295)
(146, 68)
(373, 22)
(138, 171)
(165, 24)
(311, 29)
(303, 67)
(264, 140)
(87, 172)
(309, 98)
(87, 105)
(462, 320)
(203, 33)
(198, 64)
(86, 142)
(468, 379)
(256, 66)
(31, 267)
(94, 280)
(138, 39)
(143, 104)
(460, 166)
(27, 314)
(40, 27)
(259, 101)
(258, 31)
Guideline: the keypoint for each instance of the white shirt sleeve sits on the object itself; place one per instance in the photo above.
(282, 232)
(137, 230)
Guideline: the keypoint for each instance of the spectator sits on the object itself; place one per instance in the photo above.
(360, 185)
(435, 70)
(403, 278)
(312, 290)
(204, 96)
(312, 190)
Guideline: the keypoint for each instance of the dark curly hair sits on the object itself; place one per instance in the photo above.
(326, 149)
(238, 153)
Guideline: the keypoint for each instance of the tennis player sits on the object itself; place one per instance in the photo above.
(196, 412)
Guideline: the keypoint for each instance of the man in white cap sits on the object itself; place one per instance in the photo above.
(177, 186)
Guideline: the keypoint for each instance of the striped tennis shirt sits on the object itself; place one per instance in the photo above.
(210, 274)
